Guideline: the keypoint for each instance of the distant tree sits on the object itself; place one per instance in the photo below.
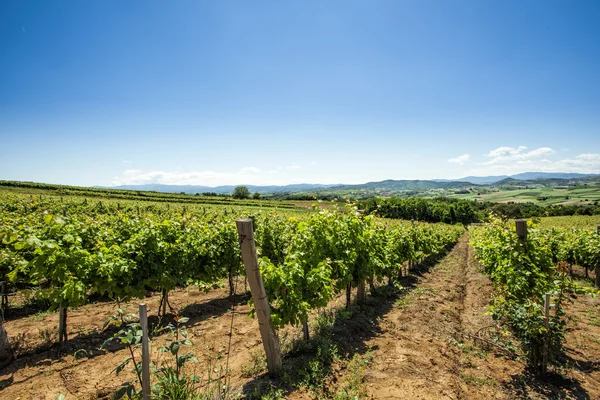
(241, 192)
(256, 196)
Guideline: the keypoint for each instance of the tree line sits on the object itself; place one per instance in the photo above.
(452, 211)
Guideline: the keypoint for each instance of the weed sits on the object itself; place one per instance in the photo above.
(471, 379)
(18, 342)
(39, 316)
(270, 394)
(593, 316)
(256, 365)
(352, 388)
(344, 314)
(423, 292)
(46, 334)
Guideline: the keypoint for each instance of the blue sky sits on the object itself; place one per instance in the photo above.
(275, 92)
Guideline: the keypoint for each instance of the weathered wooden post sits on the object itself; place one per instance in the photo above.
(259, 296)
(597, 269)
(361, 293)
(145, 352)
(6, 351)
(547, 339)
(521, 225)
(62, 324)
(305, 332)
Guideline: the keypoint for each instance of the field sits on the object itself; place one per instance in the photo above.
(423, 331)
(576, 221)
(581, 194)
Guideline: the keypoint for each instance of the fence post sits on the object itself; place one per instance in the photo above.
(547, 339)
(521, 225)
(145, 352)
(62, 324)
(259, 295)
(597, 269)
(361, 293)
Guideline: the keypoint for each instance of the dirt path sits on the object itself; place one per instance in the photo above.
(421, 352)
(426, 348)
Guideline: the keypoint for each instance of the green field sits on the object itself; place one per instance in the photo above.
(578, 195)
(575, 221)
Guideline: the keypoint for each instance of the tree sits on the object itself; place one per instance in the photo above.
(6, 353)
(241, 192)
(256, 196)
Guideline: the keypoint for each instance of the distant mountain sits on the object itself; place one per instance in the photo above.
(226, 189)
(526, 176)
(402, 185)
(482, 180)
(549, 175)
(540, 178)
(549, 182)
(386, 185)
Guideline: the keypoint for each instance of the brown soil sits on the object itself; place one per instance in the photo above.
(426, 348)
(79, 369)
(421, 344)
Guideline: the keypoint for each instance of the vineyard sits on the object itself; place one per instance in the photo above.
(73, 253)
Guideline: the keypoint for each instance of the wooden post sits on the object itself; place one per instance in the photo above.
(361, 294)
(145, 353)
(6, 351)
(348, 294)
(62, 324)
(597, 269)
(547, 339)
(4, 302)
(521, 225)
(263, 310)
(305, 328)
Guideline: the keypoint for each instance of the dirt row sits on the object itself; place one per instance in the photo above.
(437, 342)
(420, 344)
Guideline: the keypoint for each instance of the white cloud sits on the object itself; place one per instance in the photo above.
(506, 151)
(293, 166)
(249, 170)
(460, 160)
(247, 175)
(511, 160)
(126, 162)
(507, 154)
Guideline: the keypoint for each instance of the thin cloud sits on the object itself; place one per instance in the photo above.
(293, 166)
(503, 155)
(460, 160)
(246, 175)
(512, 160)
(249, 170)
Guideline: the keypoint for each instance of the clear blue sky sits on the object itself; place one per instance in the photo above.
(274, 92)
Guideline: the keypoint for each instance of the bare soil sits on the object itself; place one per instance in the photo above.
(419, 342)
(435, 343)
